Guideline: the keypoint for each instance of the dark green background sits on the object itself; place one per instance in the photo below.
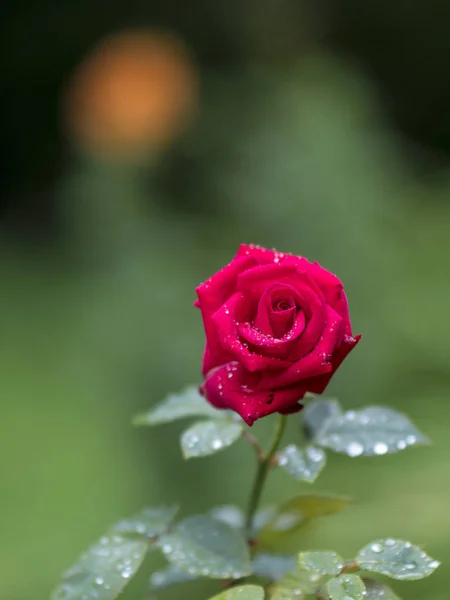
(323, 130)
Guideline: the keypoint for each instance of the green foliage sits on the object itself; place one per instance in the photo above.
(187, 403)
(397, 559)
(303, 464)
(169, 576)
(346, 587)
(148, 523)
(371, 431)
(317, 413)
(242, 592)
(297, 512)
(295, 585)
(322, 562)
(376, 590)
(272, 566)
(229, 514)
(209, 437)
(219, 545)
(206, 547)
(103, 571)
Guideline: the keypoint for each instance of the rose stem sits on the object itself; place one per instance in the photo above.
(261, 474)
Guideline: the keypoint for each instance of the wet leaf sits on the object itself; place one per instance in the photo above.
(297, 513)
(317, 413)
(375, 590)
(372, 431)
(206, 547)
(169, 576)
(346, 587)
(148, 523)
(303, 464)
(397, 559)
(242, 592)
(273, 566)
(103, 571)
(208, 437)
(188, 403)
(322, 562)
(229, 514)
(295, 585)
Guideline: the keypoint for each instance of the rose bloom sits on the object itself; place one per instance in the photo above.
(277, 326)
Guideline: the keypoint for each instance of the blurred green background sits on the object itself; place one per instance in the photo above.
(141, 143)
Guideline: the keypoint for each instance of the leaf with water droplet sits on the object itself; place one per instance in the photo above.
(376, 590)
(103, 571)
(397, 559)
(317, 413)
(296, 513)
(295, 585)
(321, 561)
(229, 514)
(206, 547)
(303, 464)
(273, 566)
(169, 576)
(372, 431)
(242, 592)
(346, 587)
(208, 437)
(187, 403)
(148, 523)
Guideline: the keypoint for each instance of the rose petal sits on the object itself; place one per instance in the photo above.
(255, 281)
(225, 321)
(317, 362)
(269, 345)
(211, 295)
(317, 385)
(232, 387)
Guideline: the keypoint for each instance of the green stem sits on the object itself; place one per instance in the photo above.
(261, 474)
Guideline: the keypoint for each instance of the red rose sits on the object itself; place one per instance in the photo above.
(277, 326)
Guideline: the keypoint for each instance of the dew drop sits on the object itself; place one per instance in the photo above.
(411, 439)
(355, 449)
(434, 564)
(376, 548)
(126, 573)
(401, 445)
(380, 448)
(216, 444)
(314, 454)
(390, 542)
(99, 580)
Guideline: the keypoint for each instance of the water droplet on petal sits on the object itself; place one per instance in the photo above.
(376, 547)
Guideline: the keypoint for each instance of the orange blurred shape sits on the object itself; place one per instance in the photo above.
(137, 89)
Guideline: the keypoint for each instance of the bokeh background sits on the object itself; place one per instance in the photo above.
(141, 142)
